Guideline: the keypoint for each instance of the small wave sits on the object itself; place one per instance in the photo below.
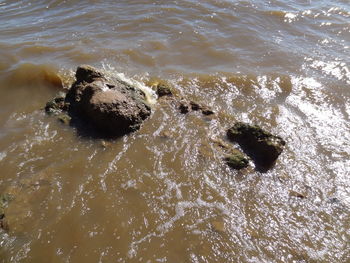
(2, 155)
(337, 69)
(28, 74)
(35, 50)
(287, 17)
(7, 60)
(151, 96)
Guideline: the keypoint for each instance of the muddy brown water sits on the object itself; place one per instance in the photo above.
(164, 194)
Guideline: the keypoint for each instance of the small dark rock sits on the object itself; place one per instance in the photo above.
(195, 106)
(163, 90)
(207, 112)
(237, 160)
(56, 105)
(4, 200)
(263, 147)
(184, 107)
(334, 200)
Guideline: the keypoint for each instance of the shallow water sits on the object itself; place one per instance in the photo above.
(164, 194)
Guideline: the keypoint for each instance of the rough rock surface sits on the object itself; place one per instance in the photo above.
(163, 90)
(237, 160)
(112, 108)
(187, 106)
(263, 147)
(56, 105)
(234, 157)
(4, 200)
(184, 107)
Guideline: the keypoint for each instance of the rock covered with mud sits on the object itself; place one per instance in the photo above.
(263, 147)
(112, 108)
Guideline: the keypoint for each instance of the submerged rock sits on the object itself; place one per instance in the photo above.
(165, 93)
(187, 106)
(207, 111)
(237, 160)
(234, 157)
(163, 90)
(263, 147)
(195, 106)
(4, 200)
(111, 108)
(56, 105)
(218, 226)
(184, 107)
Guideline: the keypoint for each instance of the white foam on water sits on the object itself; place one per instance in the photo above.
(151, 96)
(290, 17)
(2, 155)
(336, 69)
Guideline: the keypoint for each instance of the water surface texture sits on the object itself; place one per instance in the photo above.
(164, 194)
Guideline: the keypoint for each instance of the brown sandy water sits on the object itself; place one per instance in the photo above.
(164, 194)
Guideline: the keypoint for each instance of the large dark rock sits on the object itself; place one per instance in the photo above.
(263, 147)
(108, 107)
(113, 108)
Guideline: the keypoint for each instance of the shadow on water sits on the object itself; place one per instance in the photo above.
(87, 130)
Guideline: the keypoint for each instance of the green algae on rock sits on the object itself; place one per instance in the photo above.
(237, 160)
(263, 147)
(234, 157)
(56, 105)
